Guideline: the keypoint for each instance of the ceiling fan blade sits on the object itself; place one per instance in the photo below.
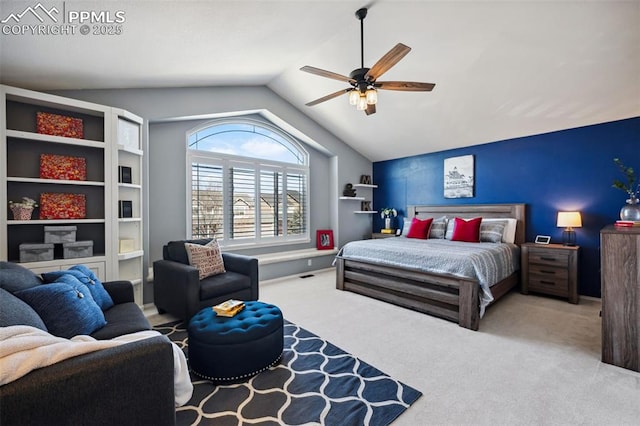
(371, 109)
(405, 86)
(328, 74)
(391, 58)
(326, 98)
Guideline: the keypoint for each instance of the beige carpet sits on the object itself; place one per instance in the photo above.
(534, 361)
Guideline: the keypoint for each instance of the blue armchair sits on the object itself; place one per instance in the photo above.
(178, 290)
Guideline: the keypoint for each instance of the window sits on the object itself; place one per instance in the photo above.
(248, 183)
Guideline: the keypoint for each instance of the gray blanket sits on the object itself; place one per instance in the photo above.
(488, 263)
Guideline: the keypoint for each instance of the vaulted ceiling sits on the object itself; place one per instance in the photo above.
(502, 69)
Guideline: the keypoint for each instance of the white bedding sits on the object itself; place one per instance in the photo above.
(488, 263)
(24, 349)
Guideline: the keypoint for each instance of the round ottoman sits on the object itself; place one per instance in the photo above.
(223, 349)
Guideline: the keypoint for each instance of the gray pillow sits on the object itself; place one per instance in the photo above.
(14, 277)
(14, 311)
(438, 228)
(491, 232)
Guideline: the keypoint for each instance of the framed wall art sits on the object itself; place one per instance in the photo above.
(59, 125)
(324, 239)
(458, 177)
(62, 206)
(62, 167)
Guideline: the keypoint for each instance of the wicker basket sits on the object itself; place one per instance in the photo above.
(21, 213)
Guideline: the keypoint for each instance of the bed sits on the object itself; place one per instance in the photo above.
(440, 294)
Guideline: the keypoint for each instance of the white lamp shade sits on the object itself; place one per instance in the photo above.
(354, 95)
(362, 103)
(372, 96)
(569, 220)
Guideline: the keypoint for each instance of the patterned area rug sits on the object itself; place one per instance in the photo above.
(314, 383)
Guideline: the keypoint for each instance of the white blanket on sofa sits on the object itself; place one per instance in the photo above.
(24, 349)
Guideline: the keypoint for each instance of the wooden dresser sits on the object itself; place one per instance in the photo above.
(620, 276)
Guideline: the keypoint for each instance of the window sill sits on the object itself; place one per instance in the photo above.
(269, 258)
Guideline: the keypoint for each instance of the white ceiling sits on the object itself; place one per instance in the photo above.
(502, 69)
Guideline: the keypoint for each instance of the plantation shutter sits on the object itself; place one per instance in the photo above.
(296, 209)
(270, 203)
(242, 193)
(207, 210)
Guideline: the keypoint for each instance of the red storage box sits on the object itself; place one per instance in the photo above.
(62, 206)
(62, 167)
(59, 125)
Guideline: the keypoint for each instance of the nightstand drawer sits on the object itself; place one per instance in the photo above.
(549, 272)
(549, 285)
(551, 258)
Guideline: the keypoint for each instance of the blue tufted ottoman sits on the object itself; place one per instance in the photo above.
(225, 349)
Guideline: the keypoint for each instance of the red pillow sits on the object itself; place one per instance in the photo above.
(420, 228)
(466, 230)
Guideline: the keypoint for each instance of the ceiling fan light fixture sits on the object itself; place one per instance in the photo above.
(363, 81)
(362, 103)
(371, 95)
(354, 96)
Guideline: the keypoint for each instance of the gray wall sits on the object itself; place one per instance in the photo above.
(170, 112)
(168, 216)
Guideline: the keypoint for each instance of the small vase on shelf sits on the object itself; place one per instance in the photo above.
(21, 213)
(631, 211)
(22, 209)
(387, 223)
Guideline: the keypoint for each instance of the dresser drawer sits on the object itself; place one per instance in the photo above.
(547, 257)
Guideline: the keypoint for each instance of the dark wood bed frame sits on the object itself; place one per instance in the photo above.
(442, 295)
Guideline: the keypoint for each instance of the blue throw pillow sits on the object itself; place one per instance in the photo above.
(88, 278)
(66, 308)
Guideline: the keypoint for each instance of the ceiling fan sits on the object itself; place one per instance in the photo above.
(363, 91)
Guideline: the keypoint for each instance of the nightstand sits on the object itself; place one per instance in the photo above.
(379, 235)
(550, 269)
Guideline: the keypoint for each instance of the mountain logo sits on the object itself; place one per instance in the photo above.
(39, 11)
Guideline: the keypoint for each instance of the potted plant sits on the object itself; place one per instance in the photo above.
(631, 211)
(22, 209)
(386, 214)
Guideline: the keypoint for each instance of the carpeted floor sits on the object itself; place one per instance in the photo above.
(315, 382)
(534, 361)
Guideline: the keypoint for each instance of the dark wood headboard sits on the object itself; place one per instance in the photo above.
(467, 211)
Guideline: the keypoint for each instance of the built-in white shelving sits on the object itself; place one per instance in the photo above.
(111, 138)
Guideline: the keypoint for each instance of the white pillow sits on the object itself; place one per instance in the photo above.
(509, 235)
(207, 258)
(406, 226)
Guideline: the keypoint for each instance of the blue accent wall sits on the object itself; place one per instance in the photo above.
(566, 170)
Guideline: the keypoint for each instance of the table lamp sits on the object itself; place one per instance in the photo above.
(568, 221)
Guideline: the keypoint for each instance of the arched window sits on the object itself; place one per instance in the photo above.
(248, 183)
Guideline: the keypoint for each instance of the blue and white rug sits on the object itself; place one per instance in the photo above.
(315, 383)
